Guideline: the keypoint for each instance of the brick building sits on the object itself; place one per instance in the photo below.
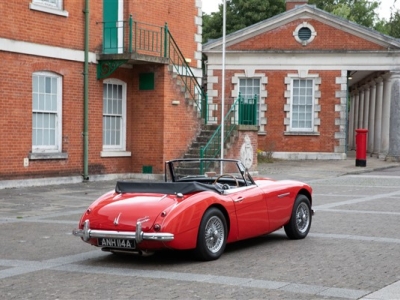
(94, 88)
(316, 79)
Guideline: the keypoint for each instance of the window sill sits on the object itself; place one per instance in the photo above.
(296, 133)
(49, 10)
(47, 156)
(115, 153)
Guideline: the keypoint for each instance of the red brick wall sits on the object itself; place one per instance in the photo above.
(328, 38)
(275, 114)
(16, 116)
(180, 18)
(19, 22)
(156, 130)
(160, 130)
(275, 128)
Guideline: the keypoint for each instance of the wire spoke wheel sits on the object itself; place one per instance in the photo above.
(214, 234)
(300, 220)
(302, 217)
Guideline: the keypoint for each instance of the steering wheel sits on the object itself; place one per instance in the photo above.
(226, 175)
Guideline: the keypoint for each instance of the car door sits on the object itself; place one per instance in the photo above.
(279, 201)
(251, 211)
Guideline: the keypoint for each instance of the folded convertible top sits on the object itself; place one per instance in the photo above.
(165, 187)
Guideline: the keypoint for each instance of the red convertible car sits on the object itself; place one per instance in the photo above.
(202, 205)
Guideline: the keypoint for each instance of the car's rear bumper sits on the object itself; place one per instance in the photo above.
(86, 234)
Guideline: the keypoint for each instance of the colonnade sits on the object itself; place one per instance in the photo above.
(370, 105)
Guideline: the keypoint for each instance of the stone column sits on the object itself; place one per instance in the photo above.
(356, 111)
(361, 109)
(371, 118)
(387, 86)
(394, 131)
(367, 93)
(351, 120)
(378, 116)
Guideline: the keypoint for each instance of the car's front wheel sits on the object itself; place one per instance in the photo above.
(300, 220)
(211, 239)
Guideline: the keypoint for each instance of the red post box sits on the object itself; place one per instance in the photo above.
(361, 147)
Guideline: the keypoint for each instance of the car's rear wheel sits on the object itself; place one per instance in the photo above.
(211, 239)
(300, 220)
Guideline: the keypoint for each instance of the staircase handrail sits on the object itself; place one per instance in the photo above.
(154, 40)
(182, 68)
(215, 140)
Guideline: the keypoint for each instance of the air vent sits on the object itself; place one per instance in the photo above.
(304, 33)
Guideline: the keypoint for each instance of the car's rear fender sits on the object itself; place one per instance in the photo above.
(184, 219)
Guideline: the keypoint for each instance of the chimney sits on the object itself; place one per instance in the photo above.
(294, 3)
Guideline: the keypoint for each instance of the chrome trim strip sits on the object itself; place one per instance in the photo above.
(86, 233)
(283, 195)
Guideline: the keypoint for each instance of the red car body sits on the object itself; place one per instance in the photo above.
(195, 212)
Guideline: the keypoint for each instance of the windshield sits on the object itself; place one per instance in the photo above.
(206, 169)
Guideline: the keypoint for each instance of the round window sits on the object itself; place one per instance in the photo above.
(304, 33)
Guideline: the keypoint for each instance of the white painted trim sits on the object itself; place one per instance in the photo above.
(300, 26)
(75, 179)
(265, 60)
(57, 148)
(309, 155)
(48, 10)
(116, 150)
(27, 48)
(115, 153)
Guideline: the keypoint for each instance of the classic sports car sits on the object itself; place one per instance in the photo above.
(202, 205)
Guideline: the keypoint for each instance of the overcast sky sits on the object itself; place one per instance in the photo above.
(384, 9)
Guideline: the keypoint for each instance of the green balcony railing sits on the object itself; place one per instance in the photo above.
(136, 37)
(242, 112)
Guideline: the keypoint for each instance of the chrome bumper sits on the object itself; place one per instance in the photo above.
(86, 233)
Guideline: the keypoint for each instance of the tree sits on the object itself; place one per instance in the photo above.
(239, 14)
(359, 11)
(393, 26)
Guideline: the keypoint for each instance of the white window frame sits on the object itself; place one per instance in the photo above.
(312, 97)
(316, 108)
(57, 147)
(116, 150)
(262, 98)
(304, 25)
(45, 6)
(252, 97)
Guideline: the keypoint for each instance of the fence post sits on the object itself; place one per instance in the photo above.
(166, 40)
(130, 33)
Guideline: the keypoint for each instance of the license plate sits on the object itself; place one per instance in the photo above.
(116, 243)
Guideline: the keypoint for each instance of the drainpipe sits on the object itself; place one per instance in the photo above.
(86, 97)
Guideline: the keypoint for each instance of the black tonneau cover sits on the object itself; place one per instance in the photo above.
(165, 187)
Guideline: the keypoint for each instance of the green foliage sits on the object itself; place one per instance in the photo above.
(239, 14)
(359, 11)
(393, 26)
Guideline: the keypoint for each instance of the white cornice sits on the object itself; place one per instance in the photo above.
(21, 47)
(370, 61)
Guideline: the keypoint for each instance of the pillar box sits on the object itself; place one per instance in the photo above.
(361, 147)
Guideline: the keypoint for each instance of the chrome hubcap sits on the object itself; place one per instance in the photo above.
(214, 234)
(302, 217)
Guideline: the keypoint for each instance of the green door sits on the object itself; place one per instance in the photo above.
(248, 111)
(110, 27)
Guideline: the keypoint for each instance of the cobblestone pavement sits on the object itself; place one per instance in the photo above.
(352, 251)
